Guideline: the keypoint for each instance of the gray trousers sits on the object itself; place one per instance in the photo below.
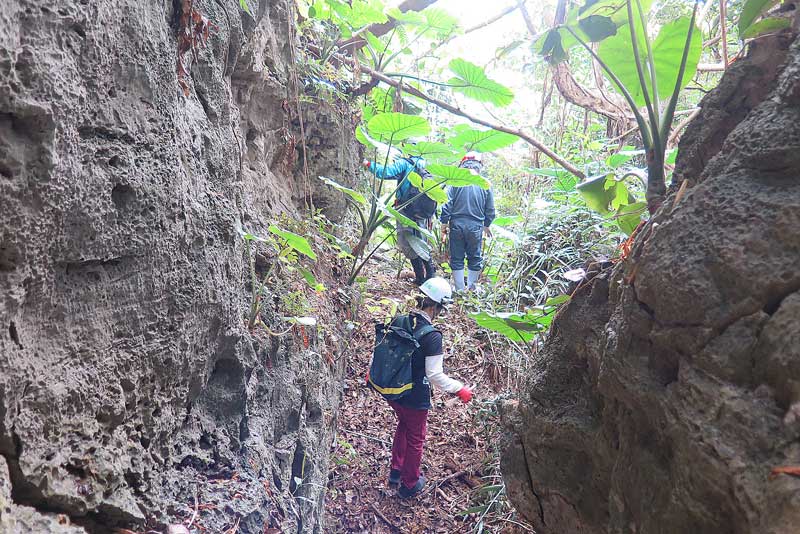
(466, 239)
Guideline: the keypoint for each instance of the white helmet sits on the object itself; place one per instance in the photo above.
(477, 156)
(438, 289)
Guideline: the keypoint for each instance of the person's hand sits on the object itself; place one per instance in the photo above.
(366, 378)
(444, 231)
(465, 394)
(365, 163)
(487, 231)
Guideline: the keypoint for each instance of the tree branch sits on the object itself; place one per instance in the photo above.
(461, 113)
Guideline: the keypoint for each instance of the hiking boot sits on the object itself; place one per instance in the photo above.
(394, 477)
(407, 493)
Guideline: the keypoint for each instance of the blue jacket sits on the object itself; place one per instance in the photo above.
(398, 170)
(469, 202)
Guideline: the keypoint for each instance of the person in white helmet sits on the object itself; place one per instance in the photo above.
(467, 215)
(412, 409)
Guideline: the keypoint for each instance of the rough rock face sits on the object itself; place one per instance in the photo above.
(670, 386)
(128, 381)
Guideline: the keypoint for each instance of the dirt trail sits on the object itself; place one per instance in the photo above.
(459, 462)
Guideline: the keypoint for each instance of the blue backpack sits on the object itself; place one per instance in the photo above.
(390, 372)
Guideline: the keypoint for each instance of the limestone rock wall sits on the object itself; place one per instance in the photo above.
(669, 386)
(128, 381)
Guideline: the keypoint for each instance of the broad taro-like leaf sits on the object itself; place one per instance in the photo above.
(383, 151)
(751, 10)
(430, 187)
(517, 326)
(617, 53)
(629, 216)
(765, 26)
(440, 20)
(457, 176)
(430, 151)
(355, 195)
(405, 221)
(471, 80)
(398, 126)
(297, 242)
(595, 194)
(359, 13)
(668, 51)
(468, 139)
(419, 246)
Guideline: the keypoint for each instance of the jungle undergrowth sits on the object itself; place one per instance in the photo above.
(461, 459)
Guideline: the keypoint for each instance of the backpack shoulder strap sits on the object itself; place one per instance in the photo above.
(424, 331)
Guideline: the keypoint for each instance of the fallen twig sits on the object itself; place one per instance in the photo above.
(380, 514)
(367, 436)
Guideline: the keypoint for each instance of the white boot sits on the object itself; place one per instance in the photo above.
(472, 277)
(458, 279)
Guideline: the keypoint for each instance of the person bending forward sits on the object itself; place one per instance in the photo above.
(412, 409)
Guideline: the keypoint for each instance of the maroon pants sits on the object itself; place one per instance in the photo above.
(409, 439)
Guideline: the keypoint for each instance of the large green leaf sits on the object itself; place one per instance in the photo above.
(405, 221)
(457, 176)
(359, 13)
(468, 139)
(471, 80)
(629, 216)
(668, 51)
(751, 10)
(430, 187)
(439, 21)
(355, 195)
(617, 53)
(297, 242)
(398, 126)
(517, 326)
(419, 246)
(429, 151)
(765, 26)
(382, 152)
(595, 21)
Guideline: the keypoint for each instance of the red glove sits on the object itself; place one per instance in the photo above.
(365, 163)
(465, 394)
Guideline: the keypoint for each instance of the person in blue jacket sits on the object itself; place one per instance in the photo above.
(468, 213)
(398, 170)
